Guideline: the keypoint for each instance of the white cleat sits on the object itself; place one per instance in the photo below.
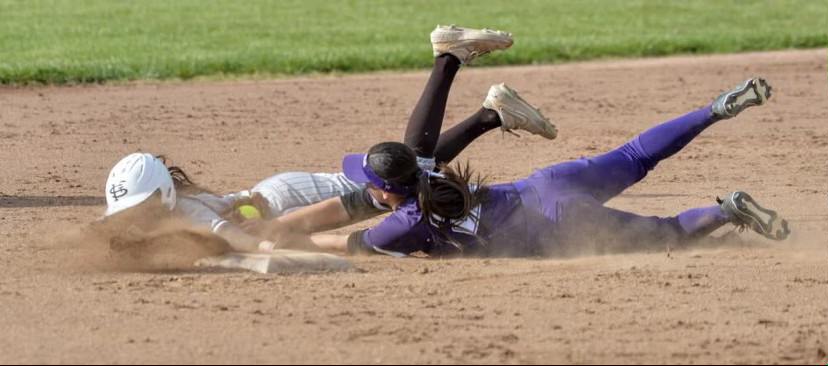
(750, 93)
(745, 212)
(467, 44)
(517, 114)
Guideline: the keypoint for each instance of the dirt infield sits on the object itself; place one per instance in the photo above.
(751, 301)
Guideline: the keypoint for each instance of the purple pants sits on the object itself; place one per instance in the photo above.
(573, 194)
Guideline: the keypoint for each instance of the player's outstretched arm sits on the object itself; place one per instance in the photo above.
(326, 215)
(337, 244)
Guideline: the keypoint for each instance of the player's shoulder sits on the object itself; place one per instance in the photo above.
(407, 214)
(410, 208)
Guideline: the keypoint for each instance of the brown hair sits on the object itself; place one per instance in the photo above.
(183, 184)
(446, 198)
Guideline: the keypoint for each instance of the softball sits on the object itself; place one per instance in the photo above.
(249, 212)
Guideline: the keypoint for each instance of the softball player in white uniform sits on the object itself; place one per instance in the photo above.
(139, 176)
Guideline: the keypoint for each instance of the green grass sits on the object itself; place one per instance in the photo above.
(67, 41)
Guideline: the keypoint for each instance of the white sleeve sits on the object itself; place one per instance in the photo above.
(220, 204)
(199, 213)
(289, 191)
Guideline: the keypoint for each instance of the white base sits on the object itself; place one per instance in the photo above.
(280, 261)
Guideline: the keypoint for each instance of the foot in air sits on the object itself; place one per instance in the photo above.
(752, 92)
(468, 44)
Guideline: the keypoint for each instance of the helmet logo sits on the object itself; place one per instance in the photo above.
(118, 191)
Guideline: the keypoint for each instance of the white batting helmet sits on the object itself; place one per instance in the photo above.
(136, 178)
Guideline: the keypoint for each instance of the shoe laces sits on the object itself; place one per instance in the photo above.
(495, 31)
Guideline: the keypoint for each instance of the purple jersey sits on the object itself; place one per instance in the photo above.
(557, 208)
(502, 226)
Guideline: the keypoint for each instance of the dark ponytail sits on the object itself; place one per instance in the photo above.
(183, 183)
(446, 198)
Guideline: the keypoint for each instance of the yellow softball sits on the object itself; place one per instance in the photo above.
(249, 212)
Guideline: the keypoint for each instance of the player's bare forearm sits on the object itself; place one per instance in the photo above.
(331, 243)
(322, 216)
(337, 244)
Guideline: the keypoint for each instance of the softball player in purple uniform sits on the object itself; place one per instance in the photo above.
(555, 209)
(502, 108)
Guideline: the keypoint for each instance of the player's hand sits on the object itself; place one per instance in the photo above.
(272, 230)
(255, 227)
(268, 246)
(256, 200)
(261, 204)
